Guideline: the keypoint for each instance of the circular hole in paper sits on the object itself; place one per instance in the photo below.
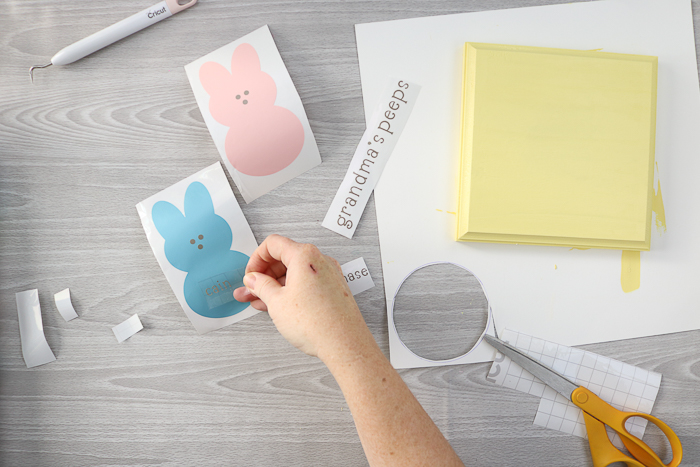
(440, 311)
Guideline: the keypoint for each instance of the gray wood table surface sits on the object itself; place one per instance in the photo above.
(86, 142)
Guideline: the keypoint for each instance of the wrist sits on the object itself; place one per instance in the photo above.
(352, 353)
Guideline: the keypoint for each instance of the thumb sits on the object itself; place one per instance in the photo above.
(262, 286)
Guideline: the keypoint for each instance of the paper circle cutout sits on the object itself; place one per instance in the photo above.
(477, 289)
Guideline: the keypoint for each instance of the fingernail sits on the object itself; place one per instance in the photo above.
(249, 281)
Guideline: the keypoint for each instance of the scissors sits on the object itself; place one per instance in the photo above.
(598, 413)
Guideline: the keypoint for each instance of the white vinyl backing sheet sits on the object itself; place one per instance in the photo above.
(202, 242)
(254, 113)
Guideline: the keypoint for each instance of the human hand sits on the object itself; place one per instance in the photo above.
(307, 297)
(311, 305)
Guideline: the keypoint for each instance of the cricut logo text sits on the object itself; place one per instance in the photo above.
(153, 14)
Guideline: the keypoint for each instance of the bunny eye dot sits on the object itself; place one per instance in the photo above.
(246, 92)
(238, 96)
(200, 246)
(192, 241)
(245, 101)
(200, 237)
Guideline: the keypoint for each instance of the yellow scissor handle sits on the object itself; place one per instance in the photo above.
(597, 410)
(602, 450)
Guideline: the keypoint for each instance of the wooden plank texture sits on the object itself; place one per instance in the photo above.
(86, 142)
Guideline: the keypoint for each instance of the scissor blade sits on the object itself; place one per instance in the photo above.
(549, 377)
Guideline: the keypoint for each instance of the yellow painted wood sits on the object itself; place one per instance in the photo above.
(630, 270)
(657, 206)
(557, 147)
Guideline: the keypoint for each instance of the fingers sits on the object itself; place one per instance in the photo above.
(258, 305)
(276, 270)
(242, 294)
(273, 254)
(262, 286)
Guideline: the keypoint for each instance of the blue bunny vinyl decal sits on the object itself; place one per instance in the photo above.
(199, 243)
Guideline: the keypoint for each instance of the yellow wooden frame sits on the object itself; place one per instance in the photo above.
(557, 147)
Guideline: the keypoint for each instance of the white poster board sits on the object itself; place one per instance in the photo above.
(569, 296)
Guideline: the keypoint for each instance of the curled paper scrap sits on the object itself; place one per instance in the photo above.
(35, 349)
(64, 305)
(127, 329)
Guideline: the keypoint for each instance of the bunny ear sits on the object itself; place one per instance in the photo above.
(167, 218)
(198, 201)
(214, 77)
(245, 59)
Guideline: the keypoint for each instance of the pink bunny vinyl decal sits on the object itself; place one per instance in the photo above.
(263, 138)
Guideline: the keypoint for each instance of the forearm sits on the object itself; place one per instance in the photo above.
(393, 427)
(311, 305)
